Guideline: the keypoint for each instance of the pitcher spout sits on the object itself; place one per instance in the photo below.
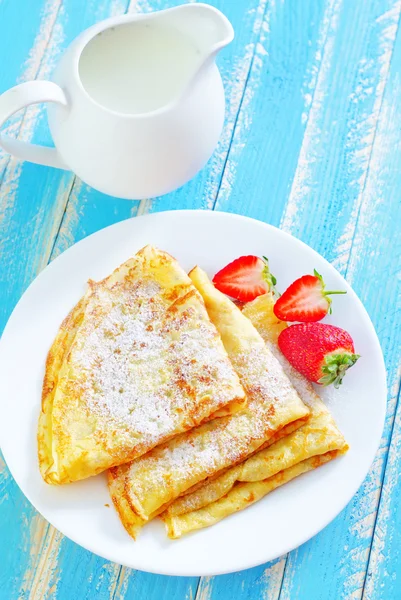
(207, 27)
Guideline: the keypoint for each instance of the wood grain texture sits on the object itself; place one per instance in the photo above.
(311, 143)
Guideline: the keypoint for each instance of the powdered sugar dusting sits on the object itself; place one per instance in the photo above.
(149, 370)
(264, 377)
(272, 403)
(304, 388)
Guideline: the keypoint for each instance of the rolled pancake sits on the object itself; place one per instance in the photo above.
(156, 479)
(136, 362)
(116, 480)
(315, 443)
(241, 496)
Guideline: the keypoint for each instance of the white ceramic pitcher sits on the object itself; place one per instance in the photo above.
(137, 102)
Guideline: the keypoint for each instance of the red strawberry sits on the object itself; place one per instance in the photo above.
(305, 300)
(245, 278)
(321, 352)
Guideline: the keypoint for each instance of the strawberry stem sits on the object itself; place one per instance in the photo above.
(327, 292)
(335, 368)
(269, 277)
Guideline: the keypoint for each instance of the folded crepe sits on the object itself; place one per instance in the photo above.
(136, 362)
(315, 443)
(144, 488)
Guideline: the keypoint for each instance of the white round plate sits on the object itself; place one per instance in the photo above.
(281, 521)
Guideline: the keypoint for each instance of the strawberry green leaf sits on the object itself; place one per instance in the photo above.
(269, 277)
(335, 368)
(327, 293)
(316, 274)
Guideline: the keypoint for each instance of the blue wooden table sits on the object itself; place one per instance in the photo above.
(312, 143)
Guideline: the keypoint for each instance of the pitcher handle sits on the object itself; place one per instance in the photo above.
(18, 97)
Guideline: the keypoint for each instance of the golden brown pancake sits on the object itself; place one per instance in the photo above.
(136, 362)
(156, 479)
(316, 442)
